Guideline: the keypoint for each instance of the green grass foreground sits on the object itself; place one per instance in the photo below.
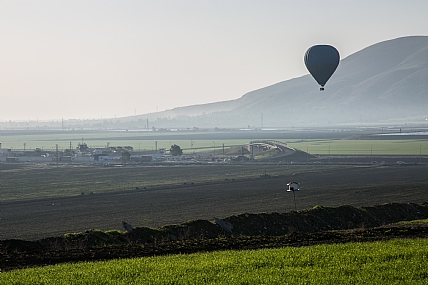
(403, 261)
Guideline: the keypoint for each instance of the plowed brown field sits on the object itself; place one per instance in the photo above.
(177, 203)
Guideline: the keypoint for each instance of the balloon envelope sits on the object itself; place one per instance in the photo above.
(321, 62)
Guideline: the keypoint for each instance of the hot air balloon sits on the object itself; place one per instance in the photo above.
(321, 62)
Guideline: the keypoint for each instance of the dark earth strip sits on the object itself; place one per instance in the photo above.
(250, 231)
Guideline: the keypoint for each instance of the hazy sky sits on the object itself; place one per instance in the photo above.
(101, 59)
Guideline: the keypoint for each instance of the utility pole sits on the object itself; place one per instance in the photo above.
(214, 149)
(307, 154)
(57, 157)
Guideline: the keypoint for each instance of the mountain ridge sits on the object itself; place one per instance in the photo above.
(384, 81)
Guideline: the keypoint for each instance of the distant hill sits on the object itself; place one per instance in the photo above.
(385, 81)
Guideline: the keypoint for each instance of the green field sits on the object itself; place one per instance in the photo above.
(194, 142)
(362, 147)
(391, 262)
(143, 141)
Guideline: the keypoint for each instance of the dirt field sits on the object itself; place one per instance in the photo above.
(174, 204)
(250, 231)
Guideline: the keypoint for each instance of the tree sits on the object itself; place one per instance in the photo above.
(175, 150)
(126, 156)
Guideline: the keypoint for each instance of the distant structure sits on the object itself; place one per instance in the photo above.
(293, 187)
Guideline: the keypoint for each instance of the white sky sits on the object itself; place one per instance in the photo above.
(101, 59)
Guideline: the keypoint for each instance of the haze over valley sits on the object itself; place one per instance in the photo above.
(384, 83)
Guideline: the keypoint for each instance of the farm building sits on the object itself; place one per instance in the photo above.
(11, 159)
(146, 158)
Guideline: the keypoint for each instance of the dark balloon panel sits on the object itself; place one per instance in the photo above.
(322, 61)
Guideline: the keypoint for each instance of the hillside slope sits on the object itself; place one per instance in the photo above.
(385, 81)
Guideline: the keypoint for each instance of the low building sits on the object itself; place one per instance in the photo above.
(146, 158)
(11, 159)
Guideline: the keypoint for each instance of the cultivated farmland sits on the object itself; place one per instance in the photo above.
(49, 200)
(46, 201)
(386, 262)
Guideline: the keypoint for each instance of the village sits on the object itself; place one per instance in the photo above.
(108, 155)
(113, 155)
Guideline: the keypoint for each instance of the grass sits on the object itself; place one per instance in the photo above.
(361, 147)
(390, 262)
(424, 221)
(138, 140)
